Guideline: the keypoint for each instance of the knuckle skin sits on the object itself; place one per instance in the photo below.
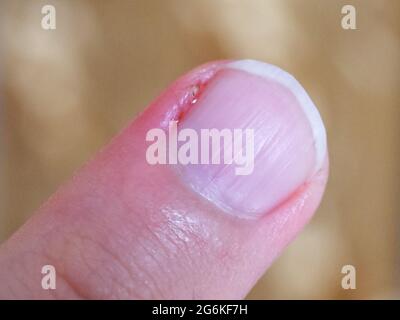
(128, 258)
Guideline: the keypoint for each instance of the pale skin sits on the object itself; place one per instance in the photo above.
(122, 229)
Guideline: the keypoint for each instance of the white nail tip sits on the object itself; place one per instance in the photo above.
(269, 71)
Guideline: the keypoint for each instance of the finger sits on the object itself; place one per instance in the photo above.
(126, 226)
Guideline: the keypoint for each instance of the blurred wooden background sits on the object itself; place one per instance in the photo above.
(65, 93)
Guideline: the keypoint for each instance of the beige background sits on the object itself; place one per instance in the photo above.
(67, 92)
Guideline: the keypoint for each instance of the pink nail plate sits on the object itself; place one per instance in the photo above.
(289, 137)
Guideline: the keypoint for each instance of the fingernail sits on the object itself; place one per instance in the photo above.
(280, 138)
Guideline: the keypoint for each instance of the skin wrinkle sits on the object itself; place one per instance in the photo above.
(175, 279)
(30, 254)
(60, 276)
(90, 219)
(143, 243)
(176, 237)
(167, 234)
(134, 262)
(203, 237)
(116, 280)
(115, 275)
(130, 263)
(143, 212)
(15, 266)
(146, 245)
(159, 242)
(41, 256)
(74, 255)
(181, 222)
(75, 290)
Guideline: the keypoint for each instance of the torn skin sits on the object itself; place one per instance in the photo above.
(187, 90)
